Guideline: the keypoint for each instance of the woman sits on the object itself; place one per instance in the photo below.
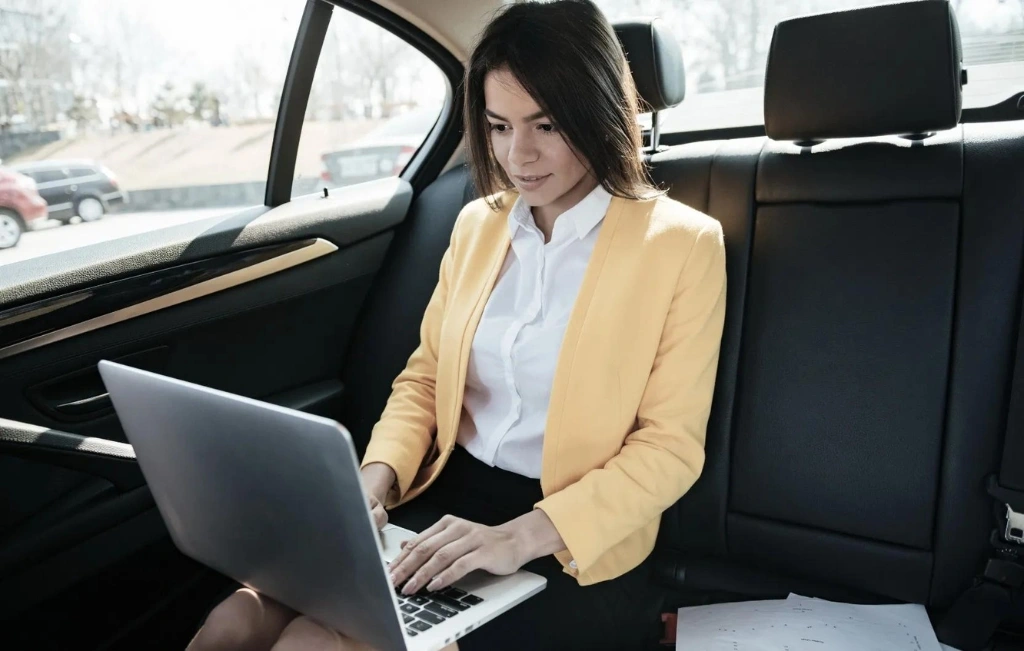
(566, 365)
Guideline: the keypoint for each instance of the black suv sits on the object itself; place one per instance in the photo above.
(75, 187)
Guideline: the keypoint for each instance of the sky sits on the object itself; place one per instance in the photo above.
(204, 39)
(190, 40)
(217, 28)
(220, 28)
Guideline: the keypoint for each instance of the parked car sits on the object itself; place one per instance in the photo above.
(21, 206)
(381, 153)
(75, 187)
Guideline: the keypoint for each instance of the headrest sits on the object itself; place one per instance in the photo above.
(892, 69)
(656, 61)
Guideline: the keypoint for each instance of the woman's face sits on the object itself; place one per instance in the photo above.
(529, 147)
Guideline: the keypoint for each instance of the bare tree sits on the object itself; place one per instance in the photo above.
(335, 80)
(112, 60)
(252, 80)
(34, 37)
(376, 57)
(131, 48)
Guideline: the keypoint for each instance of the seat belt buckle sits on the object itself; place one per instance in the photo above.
(1013, 502)
(1014, 532)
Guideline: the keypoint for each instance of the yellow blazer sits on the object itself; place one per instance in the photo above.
(632, 388)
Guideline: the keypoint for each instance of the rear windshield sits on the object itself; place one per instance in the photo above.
(725, 49)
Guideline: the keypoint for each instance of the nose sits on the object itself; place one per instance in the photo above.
(522, 150)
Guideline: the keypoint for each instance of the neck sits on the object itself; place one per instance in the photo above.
(545, 216)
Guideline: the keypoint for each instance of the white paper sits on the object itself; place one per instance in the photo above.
(804, 624)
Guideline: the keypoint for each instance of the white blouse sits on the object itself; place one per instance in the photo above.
(515, 349)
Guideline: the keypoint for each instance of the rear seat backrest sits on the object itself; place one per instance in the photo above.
(873, 288)
(856, 421)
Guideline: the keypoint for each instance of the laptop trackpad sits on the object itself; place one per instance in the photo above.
(392, 538)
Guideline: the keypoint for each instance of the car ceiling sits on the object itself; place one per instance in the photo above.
(454, 24)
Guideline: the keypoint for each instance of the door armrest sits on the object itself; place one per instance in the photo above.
(110, 460)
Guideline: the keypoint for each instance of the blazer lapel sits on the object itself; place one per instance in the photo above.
(484, 262)
(571, 349)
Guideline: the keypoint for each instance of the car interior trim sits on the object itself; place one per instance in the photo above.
(203, 285)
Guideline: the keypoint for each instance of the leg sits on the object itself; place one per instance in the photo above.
(245, 621)
(619, 614)
(304, 634)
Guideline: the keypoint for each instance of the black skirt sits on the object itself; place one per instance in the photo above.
(623, 613)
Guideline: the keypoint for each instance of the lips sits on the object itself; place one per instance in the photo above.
(531, 182)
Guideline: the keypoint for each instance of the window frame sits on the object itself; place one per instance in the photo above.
(433, 153)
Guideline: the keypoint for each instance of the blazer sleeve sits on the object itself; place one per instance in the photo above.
(664, 456)
(407, 427)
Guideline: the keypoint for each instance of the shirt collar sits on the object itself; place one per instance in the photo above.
(584, 216)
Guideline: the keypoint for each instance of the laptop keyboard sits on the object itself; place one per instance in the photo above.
(425, 609)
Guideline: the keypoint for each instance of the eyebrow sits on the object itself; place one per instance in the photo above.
(529, 118)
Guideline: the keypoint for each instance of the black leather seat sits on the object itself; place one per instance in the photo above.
(874, 286)
(874, 262)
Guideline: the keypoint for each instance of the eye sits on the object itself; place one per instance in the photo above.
(499, 128)
(547, 128)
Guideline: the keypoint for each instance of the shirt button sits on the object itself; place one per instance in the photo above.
(572, 564)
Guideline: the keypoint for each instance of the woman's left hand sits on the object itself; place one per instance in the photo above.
(452, 548)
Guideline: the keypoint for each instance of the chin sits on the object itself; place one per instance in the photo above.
(537, 199)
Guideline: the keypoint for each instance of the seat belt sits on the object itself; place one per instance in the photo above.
(976, 615)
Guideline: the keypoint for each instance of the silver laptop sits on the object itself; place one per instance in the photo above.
(272, 498)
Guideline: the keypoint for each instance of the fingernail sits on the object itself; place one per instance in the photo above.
(392, 577)
(434, 583)
(410, 587)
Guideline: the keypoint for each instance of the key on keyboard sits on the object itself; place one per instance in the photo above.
(430, 617)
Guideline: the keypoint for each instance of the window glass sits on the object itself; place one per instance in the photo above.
(49, 176)
(725, 49)
(177, 101)
(373, 102)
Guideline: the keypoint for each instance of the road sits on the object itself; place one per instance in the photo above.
(52, 237)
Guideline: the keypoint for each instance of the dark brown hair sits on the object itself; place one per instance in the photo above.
(566, 56)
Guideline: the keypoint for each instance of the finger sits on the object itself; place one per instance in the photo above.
(442, 559)
(380, 516)
(457, 570)
(409, 545)
(420, 554)
(416, 554)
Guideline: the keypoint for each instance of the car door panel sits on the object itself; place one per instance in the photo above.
(85, 560)
(75, 501)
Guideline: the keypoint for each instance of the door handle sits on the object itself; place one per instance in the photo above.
(85, 405)
(81, 395)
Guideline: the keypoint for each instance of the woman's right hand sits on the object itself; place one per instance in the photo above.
(378, 478)
(380, 516)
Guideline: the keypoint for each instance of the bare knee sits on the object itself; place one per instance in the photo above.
(304, 634)
(244, 621)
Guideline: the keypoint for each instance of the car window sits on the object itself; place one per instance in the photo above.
(373, 101)
(49, 176)
(725, 49)
(175, 101)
